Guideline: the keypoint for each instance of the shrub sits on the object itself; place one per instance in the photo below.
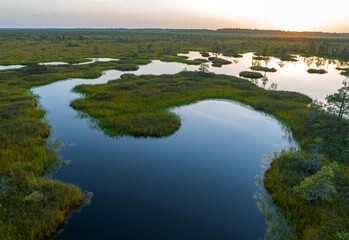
(342, 235)
(318, 186)
(34, 68)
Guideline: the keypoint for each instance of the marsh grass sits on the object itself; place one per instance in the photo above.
(278, 225)
(261, 58)
(218, 62)
(205, 54)
(249, 74)
(318, 71)
(263, 69)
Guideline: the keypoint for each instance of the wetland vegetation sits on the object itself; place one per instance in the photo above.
(318, 71)
(263, 69)
(32, 207)
(249, 74)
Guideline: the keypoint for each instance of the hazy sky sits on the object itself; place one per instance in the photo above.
(265, 14)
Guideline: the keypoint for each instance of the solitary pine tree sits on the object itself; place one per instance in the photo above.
(338, 102)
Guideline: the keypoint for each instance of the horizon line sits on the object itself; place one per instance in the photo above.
(177, 29)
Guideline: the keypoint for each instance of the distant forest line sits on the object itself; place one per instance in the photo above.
(220, 30)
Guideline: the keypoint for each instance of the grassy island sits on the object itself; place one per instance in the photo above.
(263, 69)
(345, 71)
(218, 62)
(205, 54)
(316, 71)
(249, 74)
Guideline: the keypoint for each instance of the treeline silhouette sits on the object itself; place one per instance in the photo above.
(282, 33)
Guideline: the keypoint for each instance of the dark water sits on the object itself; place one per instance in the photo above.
(196, 184)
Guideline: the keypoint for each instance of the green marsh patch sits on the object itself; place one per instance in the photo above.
(143, 125)
(141, 109)
(263, 69)
(218, 62)
(316, 71)
(249, 74)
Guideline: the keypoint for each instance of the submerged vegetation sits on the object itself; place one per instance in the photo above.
(32, 207)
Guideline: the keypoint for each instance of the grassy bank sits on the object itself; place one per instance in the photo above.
(137, 105)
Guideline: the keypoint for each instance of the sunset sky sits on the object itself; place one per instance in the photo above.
(309, 15)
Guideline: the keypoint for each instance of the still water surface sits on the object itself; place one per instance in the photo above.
(290, 76)
(195, 184)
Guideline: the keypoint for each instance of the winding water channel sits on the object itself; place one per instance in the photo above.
(195, 184)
